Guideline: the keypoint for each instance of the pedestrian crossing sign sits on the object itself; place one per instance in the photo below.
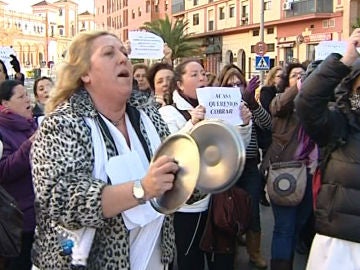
(262, 62)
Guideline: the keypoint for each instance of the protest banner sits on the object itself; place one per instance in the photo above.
(325, 48)
(145, 45)
(221, 103)
(5, 57)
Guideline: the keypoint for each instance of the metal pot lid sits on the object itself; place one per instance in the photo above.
(184, 150)
(222, 155)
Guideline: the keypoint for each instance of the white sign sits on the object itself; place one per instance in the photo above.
(325, 48)
(5, 57)
(221, 103)
(145, 45)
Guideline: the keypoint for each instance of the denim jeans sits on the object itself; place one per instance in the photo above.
(288, 223)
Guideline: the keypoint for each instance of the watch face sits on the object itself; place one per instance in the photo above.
(138, 190)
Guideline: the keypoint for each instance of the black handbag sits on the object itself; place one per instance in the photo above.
(11, 225)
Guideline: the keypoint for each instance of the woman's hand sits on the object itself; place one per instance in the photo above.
(249, 93)
(197, 114)
(160, 99)
(351, 53)
(160, 177)
(245, 114)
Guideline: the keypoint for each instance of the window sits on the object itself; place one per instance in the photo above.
(332, 23)
(166, 5)
(325, 23)
(125, 18)
(60, 12)
(244, 12)
(267, 5)
(221, 13)
(211, 25)
(270, 30)
(61, 32)
(310, 52)
(139, 11)
(196, 19)
(256, 33)
(147, 7)
(196, 2)
(133, 14)
(156, 8)
(231, 11)
(125, 34)
(270, 47)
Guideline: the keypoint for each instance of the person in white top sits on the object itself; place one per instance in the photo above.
(182, 116)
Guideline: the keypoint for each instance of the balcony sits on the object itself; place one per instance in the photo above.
(177, 6)
(308, 7)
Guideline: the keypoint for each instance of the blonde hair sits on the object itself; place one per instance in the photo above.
(270, 77)
(76, 64)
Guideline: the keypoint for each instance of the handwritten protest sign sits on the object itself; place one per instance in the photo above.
(5, 57)
(221, 103)
(325, 48)
(145, 45)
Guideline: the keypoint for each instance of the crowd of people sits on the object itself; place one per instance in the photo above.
(79, 164)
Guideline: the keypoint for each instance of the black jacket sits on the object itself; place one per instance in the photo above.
(338, 205)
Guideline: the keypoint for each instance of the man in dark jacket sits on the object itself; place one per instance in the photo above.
(337, 206)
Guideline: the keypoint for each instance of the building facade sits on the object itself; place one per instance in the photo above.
(122, 16)
(41, 38)
(230, 29)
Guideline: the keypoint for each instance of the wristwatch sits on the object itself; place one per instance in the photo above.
(138, 192)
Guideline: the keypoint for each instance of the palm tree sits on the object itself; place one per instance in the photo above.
(174, 34)
(357, 24)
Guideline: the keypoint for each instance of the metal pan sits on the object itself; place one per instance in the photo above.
(184, 150)
(222, 155)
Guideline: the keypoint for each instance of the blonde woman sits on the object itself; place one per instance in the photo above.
(89, 123)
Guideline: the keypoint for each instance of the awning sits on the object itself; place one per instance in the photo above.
(286, 44)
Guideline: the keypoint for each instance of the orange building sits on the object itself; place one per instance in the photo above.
(121, 16)
(230, 29)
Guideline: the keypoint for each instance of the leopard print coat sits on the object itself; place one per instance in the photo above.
(67, 196)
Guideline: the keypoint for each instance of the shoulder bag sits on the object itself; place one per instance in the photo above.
(286, 182)
(11, 225)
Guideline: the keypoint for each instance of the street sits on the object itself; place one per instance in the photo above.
(267, 223)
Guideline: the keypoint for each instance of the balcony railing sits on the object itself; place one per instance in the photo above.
(309, 6)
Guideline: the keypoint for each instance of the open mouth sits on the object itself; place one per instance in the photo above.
(124, 73)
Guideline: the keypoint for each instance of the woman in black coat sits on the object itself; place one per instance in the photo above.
(337, 210)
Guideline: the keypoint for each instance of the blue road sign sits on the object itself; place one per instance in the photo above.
(262, 62)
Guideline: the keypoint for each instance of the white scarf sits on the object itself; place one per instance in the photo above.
(143, 218)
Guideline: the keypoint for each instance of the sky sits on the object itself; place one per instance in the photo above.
(25, 5)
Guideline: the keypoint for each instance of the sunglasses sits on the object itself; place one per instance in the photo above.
(239, 84)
